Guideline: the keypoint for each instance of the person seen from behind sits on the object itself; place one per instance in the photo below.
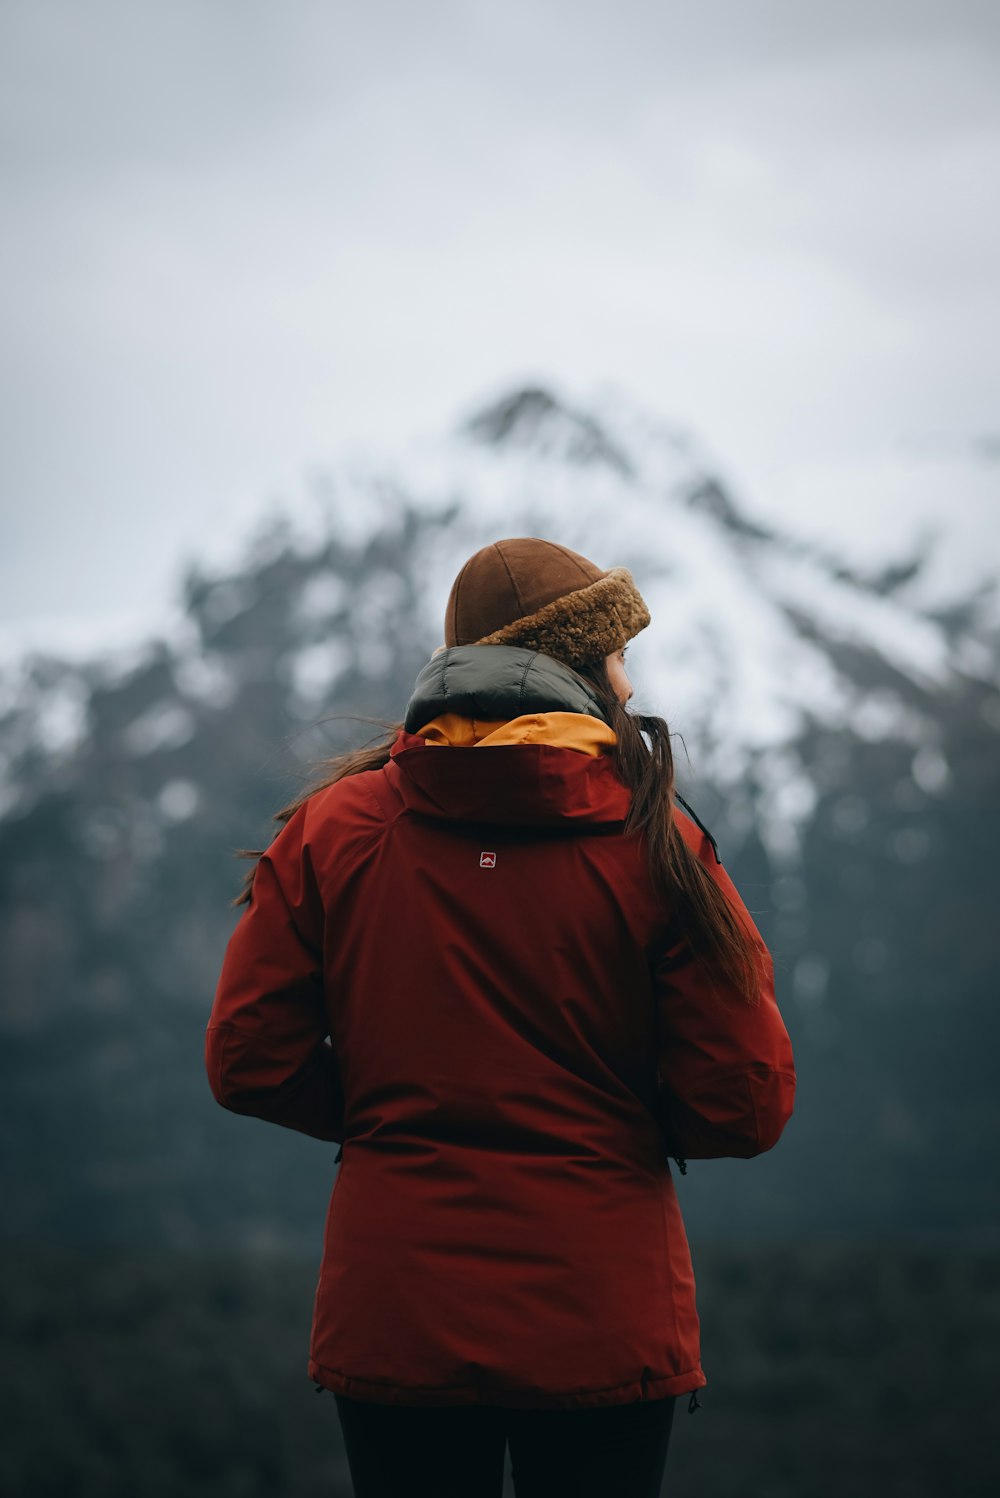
(513, 987)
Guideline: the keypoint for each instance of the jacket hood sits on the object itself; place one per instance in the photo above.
(521, 784)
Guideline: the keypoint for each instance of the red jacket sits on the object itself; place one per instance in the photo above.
(517, 1046)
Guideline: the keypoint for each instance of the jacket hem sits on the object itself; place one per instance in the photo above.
(383, 1391)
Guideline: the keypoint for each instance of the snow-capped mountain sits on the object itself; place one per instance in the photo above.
(758, 634)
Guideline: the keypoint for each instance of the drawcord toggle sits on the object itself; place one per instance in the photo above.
(681, 1165)
(693, 1403)
(320, 1388)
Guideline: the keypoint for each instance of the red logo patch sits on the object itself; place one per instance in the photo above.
(487, 860)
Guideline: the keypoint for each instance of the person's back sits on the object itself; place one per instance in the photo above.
(521, 1034)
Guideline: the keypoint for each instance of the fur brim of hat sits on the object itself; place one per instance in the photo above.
(581, 626)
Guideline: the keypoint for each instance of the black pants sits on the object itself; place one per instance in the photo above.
(408, 1451)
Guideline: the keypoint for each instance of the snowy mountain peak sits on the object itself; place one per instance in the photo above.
(534, 419)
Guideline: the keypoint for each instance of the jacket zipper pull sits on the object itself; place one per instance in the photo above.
(681, 1165)
(693, 1403)
(320, 1388)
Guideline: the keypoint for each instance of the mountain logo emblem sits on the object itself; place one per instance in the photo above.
(487, 860)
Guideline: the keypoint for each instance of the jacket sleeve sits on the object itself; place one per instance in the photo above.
(726, 1074)
(266, 1050)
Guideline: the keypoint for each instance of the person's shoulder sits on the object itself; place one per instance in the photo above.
(362, 800)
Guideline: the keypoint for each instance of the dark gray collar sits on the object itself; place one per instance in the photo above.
(497, 681)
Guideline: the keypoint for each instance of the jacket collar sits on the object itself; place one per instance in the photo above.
(537, 714)
(497, 683)
(563, 730)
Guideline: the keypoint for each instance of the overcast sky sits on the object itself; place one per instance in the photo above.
(242, 234)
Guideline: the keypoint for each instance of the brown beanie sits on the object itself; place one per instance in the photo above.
(537, 594)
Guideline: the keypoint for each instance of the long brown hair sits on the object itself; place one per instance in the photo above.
(703, 914)
(704, 917)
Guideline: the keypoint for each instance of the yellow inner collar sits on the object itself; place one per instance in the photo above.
(564, 730)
